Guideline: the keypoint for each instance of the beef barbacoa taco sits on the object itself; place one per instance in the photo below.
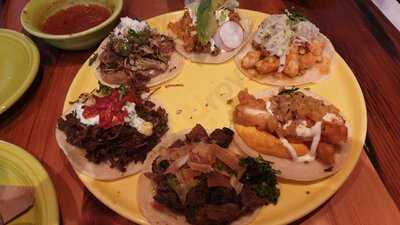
(107, 134)
(286, 50)
(303, 135)
(197, 179)
(211, 31)
(134, 49)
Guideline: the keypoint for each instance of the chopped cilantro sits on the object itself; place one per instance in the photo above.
(221, 166)
(123, 90)
(294, 16)
(104, 90)
(139, 37)
(261, 177)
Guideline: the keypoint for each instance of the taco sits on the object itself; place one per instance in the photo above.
(305, 137)
(286, 50)
(197, 179)
(211, 31)
(107, 134)
(134, 49)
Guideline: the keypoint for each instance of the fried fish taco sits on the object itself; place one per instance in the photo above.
(305, 137)
(198, 179)
(107, 134)
(134, 49)
(286, 50)
(211, 31)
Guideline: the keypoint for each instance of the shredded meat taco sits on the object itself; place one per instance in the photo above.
(304, 136)
(210, 31)
(198, 179)
(286, 50)
(107, 134)
(134, 50)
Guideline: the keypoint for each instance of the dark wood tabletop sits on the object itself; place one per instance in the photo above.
(358, 30)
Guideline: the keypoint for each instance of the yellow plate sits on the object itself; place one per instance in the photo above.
(203, 99)
(17, 167)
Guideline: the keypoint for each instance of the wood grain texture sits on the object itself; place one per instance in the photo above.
(360, 34)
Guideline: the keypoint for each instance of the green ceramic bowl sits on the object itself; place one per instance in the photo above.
(37, 11)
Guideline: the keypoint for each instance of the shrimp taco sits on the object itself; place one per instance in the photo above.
(303, 135)
(198, 179)
(108, 133)
(211, 31)
(286, 50)
(134, 49)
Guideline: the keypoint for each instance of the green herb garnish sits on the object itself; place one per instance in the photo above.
(221, 166)
(139, 37)
(93, 58)
(261, 177)
(286, 91)
(123, 90)
(104, 90)
(294, 16)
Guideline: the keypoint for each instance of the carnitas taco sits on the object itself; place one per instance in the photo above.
(303, 135)
(134, 49)
(198, 179)
(108, 133)
(286, 50)
(211, 31)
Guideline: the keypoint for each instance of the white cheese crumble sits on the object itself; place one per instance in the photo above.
(78, 109)
(127, 24)
(135, 121)
(330, 117)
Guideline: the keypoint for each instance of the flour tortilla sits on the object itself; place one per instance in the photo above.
(312, 75)
(246, 24)
(146, 193)
(300, 171)
(175, 66)
(102, 171)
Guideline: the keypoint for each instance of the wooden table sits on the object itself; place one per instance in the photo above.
(364, 38)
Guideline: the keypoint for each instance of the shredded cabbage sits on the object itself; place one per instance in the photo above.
(277, 32)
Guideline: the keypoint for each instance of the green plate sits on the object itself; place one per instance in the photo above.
(19, 63)
(17, 167)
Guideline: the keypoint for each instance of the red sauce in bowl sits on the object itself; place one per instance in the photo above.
(75, 19)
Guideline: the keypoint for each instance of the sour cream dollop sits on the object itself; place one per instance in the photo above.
(127, 24)
(78, 109)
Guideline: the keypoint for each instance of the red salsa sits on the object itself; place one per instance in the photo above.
(75, 19)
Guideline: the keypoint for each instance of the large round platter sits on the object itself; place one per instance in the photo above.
(204, 98)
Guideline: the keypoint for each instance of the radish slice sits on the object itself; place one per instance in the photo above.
(231, 34)
(218, 42)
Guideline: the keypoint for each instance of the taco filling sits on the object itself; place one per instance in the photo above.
(114, 126)
(201, 179)
(209, 26)
(291, 125)
(135, 50)
(286, 44)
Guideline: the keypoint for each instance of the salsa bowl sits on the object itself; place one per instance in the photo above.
(36, 12)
